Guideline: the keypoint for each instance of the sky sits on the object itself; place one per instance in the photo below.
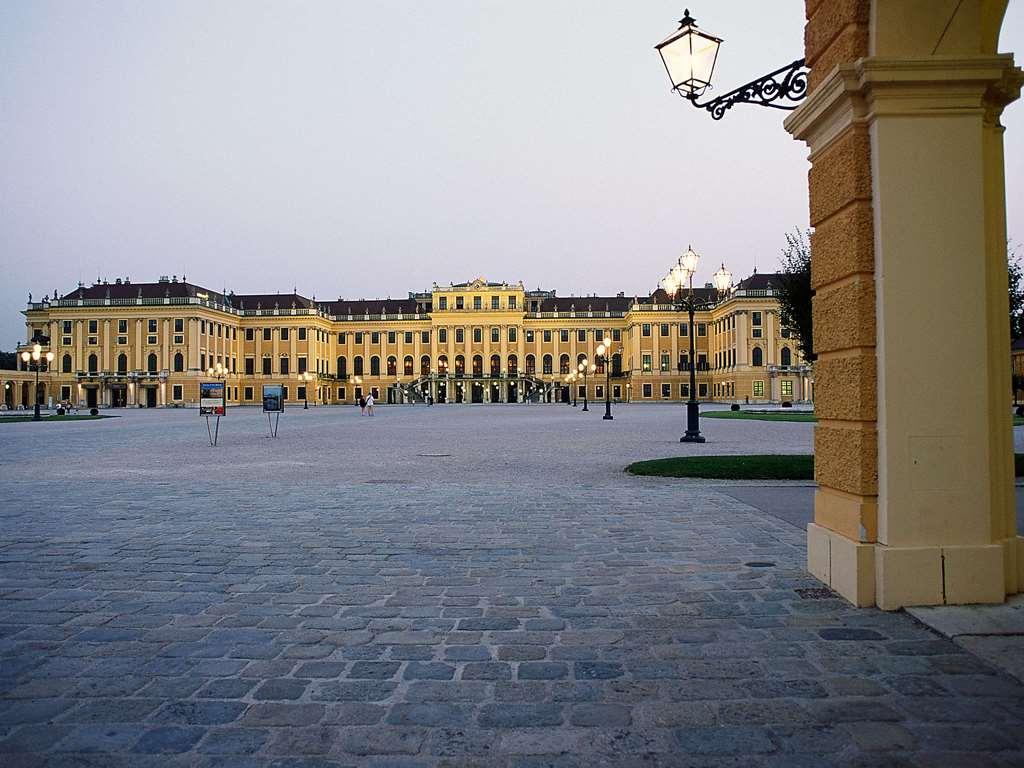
(368, 149)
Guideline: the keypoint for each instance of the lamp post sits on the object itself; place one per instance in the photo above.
(305, 377)
(689, 56)
(585, 368)
(604, 351)
(682, 274)
(34, 360)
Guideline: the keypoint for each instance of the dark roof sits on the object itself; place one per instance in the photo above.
(269, 300)
(129, 290)
(760, 281)
(344, 307)
(584, 303)
(661, 296)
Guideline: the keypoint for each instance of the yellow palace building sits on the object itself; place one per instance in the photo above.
(127, 344)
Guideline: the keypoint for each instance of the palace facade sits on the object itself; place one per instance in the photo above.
(121, 344)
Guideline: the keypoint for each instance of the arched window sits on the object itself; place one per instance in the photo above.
(460, 365)
(342, 367)
(513, 365)
(599, 362)
(122, 363)
(756, 356)
(150, 362)
(786, 357)
(407, 365)
(392, 366)
(357, 365)
(478, 365)
(93, 364)
(425, 365)
(375, 366)
(531, 365)
(546, 362)
(563, 364)
(179, 362)
(65, 364)
(616, 364)
(580, 358)
(495, 365)
(442, 364)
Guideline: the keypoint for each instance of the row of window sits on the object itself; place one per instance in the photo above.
(478, 302)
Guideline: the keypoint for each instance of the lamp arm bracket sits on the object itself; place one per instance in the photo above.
(787, 84)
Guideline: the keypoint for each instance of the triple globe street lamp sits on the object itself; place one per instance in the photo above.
(681, 274)
(604, 353)
(35, 361)
(306, 377)
(585, 368)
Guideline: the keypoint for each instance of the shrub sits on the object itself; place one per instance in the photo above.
(734, 407)
(786, 404)
(60, 411)
(94, 411)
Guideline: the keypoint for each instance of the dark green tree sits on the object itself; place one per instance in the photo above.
(795, 292)
(8, 361)
(1016, 272)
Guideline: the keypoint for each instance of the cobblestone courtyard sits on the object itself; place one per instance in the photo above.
(476, 586)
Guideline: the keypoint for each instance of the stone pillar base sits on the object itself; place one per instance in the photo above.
(897, 577)
(845, 565)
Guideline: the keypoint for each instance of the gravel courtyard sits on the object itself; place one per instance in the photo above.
(446, 586)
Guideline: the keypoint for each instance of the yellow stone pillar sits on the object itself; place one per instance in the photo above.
(915, 498)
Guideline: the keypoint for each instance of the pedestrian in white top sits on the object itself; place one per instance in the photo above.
(369, 404)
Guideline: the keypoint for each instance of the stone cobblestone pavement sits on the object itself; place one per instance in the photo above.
(336, 598)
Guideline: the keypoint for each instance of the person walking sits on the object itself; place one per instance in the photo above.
(362, 406)
(369, 404)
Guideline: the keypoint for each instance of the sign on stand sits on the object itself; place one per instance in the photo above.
(273, 405)
(212, 402)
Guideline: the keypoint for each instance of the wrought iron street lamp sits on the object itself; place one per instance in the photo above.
(604, 352)
(305, 377)
(682, 274)
(689, 55)
(35, 360)
(217, 371)
(585, 368)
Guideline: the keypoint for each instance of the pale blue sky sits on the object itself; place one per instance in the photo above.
(366, 149)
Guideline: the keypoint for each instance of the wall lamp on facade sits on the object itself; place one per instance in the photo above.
(35, 360)
(689, 55)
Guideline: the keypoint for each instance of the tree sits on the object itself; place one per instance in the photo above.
(795, 292)
(1016, 272)
(8, 361)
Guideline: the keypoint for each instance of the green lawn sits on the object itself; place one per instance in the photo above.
(758, 467)
(763, 467)
(54, 417)
(786, 416)
(780, 416)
